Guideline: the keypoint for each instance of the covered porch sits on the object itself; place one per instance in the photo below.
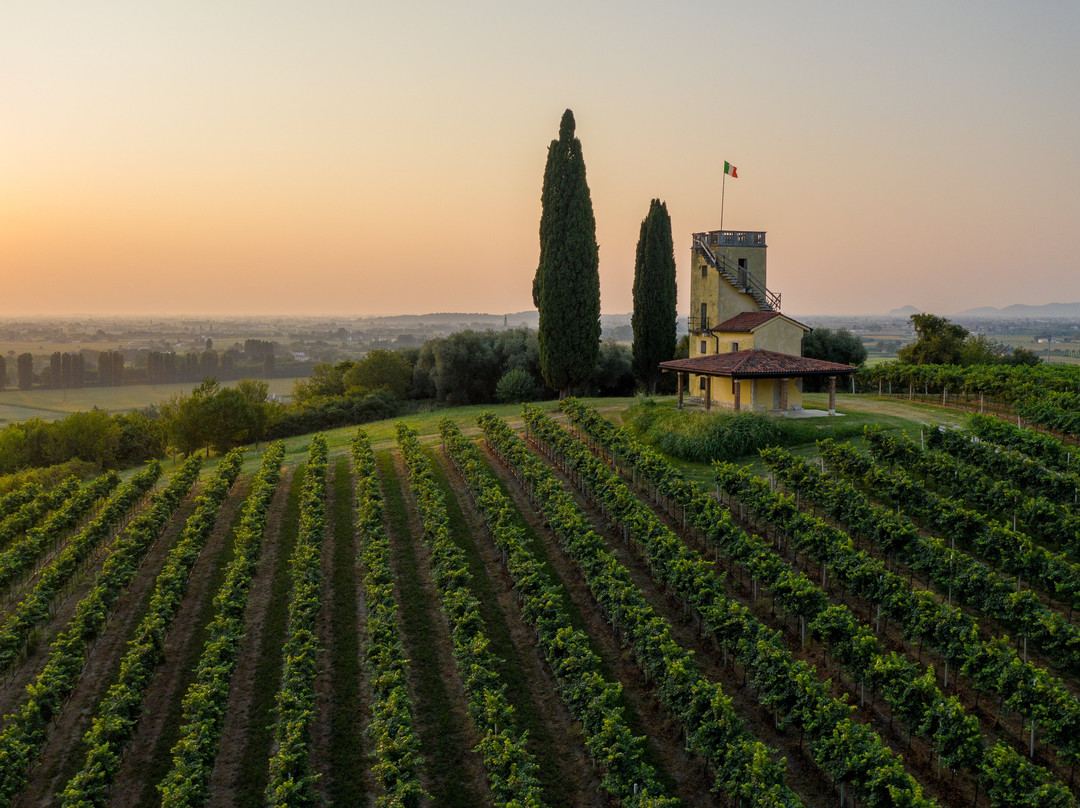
(753, 379)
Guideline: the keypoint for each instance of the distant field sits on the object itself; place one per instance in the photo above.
(50, 405)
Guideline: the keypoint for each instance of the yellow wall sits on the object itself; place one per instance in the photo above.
(723, 301)
(780, 335)
(764, 399)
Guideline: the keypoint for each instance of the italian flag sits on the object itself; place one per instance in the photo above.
(730, 170)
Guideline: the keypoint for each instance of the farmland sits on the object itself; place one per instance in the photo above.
(530, 607)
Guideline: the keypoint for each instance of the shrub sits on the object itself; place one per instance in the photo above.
(515, 386)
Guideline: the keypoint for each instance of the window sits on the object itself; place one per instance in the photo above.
(734, 347)
(704, 271)
(704, 347)
(742, 263)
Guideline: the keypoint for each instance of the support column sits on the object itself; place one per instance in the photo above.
(708, 393)
(737, 390)
(783, 394)
(753, 394)
(678, 384)
(832, 395)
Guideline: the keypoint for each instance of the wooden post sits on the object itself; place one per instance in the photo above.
(708, 393)
(832, 395)
(783, 394)
(737, 393)
(678, 377)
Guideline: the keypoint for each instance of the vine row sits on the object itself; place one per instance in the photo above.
(291, 778)
(27, 730)
(914, 698)
(187, 782)
(510, 766)
(397, 749)
(119, 711)
(33, 609)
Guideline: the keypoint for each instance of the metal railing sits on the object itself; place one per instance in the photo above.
(732, 238)
(738, 276)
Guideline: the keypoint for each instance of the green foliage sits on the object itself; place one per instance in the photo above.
(514, 387)
(937, 341)
(325, 381)
(465, 368)
(213, 416)
(655, 303)
(566, 287)
(187, 782)
(614, 372)
(27, 730)
(834, 346)
(291, 776)
(102, 440)
(703, 437)
(117, 714)
(510, 766)
(25, 370)
(380, 369)
(396, 756)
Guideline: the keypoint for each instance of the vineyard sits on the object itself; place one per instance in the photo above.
(546, 612)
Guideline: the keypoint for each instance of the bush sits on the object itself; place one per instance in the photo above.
(702, 437)
(515, 386)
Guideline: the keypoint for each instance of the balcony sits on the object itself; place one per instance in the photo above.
(732, 238)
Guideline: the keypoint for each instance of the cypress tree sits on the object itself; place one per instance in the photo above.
(566, 288)
(655, 301)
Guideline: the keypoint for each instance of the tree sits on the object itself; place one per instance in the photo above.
(655, 302)
(56, 363)
(25, 370)
(257, 393)
(381, 368)
(566, 287)
(3, 373)
(834, 346)
(228, 419)
(937, 342)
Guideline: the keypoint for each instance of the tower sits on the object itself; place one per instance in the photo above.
(727, 277)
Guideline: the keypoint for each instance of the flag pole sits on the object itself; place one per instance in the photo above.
(723, 188)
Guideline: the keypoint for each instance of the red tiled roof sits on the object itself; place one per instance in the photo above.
(749, 320)
(750, 363)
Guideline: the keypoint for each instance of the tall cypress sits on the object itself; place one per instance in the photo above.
(566, 288)
(655, 303)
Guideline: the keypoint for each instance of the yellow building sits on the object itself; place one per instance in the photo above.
(743, 352)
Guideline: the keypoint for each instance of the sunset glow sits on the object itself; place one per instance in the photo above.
(387, 158)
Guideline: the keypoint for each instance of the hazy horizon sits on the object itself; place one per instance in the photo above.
(217, 159)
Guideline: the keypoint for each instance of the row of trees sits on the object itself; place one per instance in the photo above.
(168, 367)
(69, 370)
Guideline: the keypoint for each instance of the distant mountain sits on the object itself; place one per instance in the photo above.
(904, 311)
(1021, 311)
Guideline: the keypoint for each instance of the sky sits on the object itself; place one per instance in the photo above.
(361, 158)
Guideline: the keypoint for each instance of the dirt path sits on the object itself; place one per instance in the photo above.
(453, 773)
(148, 758)
(13, 687)
(567, 775)
(686, 776)
(63, 751)
(235, 736)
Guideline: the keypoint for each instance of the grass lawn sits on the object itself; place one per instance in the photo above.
(859, 410)
(51, 405)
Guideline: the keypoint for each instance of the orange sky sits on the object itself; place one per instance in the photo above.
(344, 158)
